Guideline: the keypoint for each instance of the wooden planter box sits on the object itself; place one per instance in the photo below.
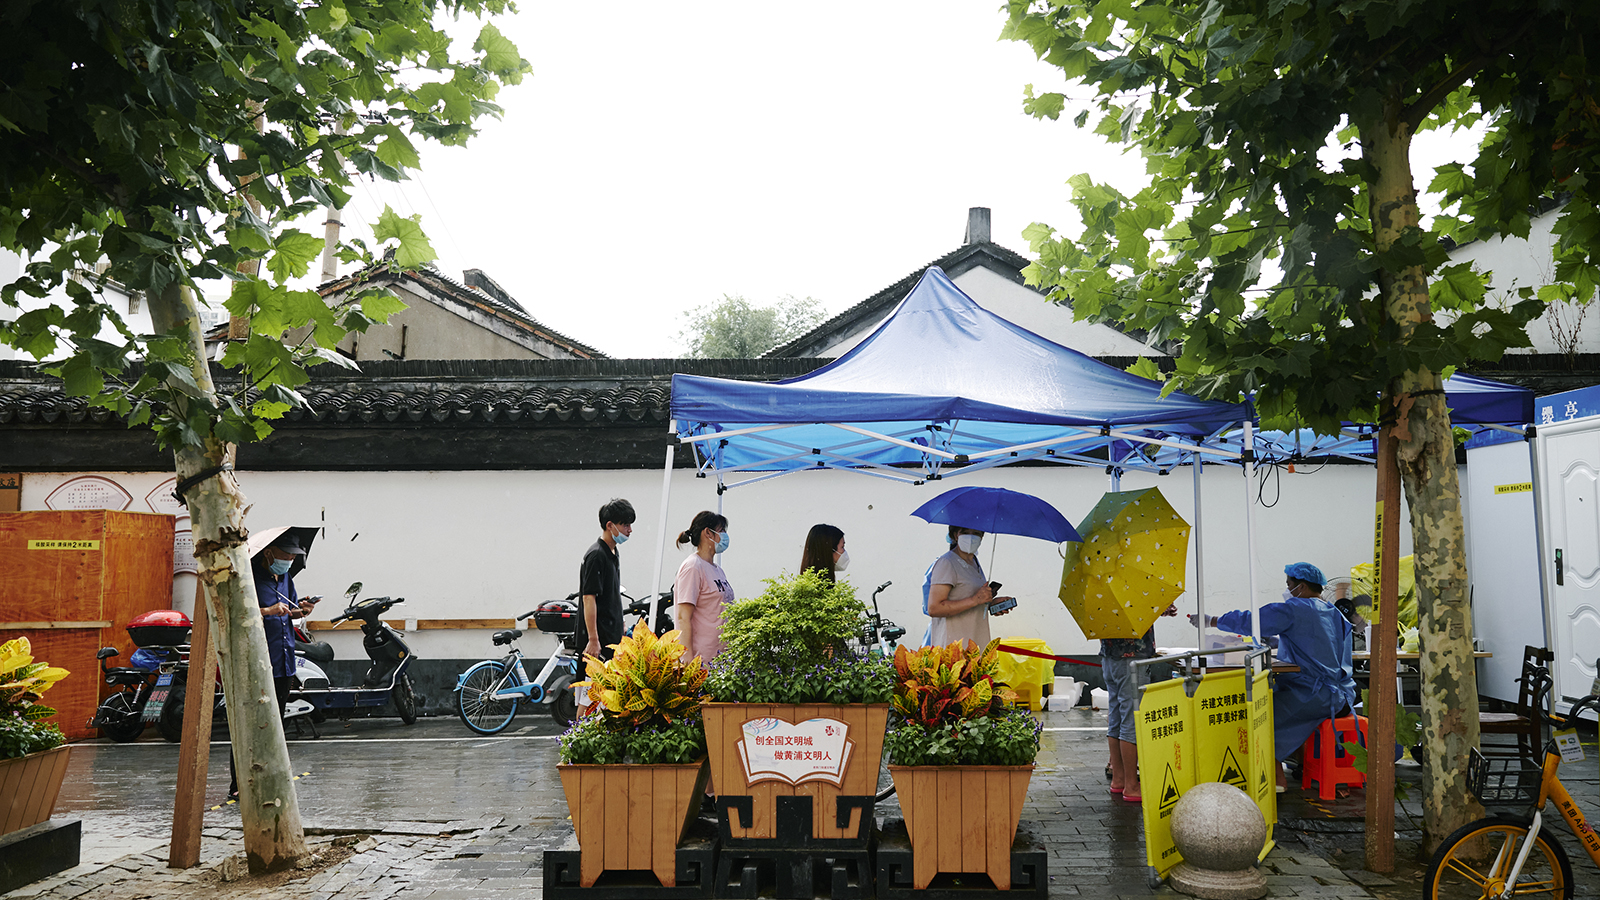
(961, 819)
(631, 817)
(29, 787)
(866, 723)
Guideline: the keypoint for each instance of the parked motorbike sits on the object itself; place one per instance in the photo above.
(146, 688)
(386, 679)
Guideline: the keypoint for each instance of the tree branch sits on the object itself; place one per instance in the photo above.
(1418, 109)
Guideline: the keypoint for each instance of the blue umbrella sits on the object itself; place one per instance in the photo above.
(998, 511)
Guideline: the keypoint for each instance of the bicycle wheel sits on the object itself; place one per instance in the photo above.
(478, 710)
(1475, 861)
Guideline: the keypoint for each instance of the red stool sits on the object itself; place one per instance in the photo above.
(1324, 760)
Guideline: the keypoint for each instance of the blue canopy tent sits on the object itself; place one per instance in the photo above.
(944, 382)
(941, 381)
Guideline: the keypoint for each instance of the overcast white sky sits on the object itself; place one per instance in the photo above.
(662, 155)
(665, 154)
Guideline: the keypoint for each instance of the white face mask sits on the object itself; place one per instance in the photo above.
(1288, 595)
(969, 543)
(843, 562)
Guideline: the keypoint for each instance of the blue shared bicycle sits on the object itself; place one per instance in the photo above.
(489, 693)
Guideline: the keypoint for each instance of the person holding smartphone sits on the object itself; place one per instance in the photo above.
(956, 595)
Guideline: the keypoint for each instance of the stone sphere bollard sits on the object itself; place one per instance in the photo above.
(1220, 831)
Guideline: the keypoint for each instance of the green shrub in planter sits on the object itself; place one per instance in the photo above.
(791, 644)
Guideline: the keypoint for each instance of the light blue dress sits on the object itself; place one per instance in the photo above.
(1313, 635)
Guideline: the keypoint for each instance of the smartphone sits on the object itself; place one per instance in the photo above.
(994, 588)
(1000, 606)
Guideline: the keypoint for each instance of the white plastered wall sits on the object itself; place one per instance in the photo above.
(1517, 263)
(494, 544)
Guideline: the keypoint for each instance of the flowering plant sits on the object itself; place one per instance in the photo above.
(791, 645)
(950, 709)
(648, 705)
(22, 683)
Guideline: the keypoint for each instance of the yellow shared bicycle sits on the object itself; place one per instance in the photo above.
(1515, 856)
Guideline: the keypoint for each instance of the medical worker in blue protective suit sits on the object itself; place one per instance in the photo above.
(1313, 635)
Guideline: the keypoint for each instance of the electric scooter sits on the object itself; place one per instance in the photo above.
(386, 680)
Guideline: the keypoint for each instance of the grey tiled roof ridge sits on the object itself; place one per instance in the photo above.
(467, 294)
(504, 392)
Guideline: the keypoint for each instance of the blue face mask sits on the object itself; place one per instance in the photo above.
(280, 566)
(722, 541)
(620, 538)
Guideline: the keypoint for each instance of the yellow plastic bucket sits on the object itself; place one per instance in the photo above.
(1029, 676)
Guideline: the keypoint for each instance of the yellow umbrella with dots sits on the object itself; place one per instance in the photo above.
(1129, 567)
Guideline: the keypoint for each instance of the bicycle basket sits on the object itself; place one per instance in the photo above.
(1502, 780)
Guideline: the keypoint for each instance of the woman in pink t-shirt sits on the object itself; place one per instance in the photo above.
(702, 588)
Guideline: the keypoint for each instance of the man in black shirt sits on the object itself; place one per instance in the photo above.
(600, 582)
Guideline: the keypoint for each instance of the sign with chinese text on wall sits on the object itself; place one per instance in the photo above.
(88, 492)
(814, 750)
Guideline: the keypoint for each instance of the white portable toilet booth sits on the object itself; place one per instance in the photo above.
(1533, 533)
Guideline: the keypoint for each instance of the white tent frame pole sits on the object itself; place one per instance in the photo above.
(718, 435)
(1250, 529)
(1128, 436)
(920, 448)
(1531, 435)
(661, 523)
(1199, 555)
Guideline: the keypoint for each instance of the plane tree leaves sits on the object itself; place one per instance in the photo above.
(1279, 244)
(202, 133)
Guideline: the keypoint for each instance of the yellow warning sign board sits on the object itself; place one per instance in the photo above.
(1221, 733)
(1166, 746)
(1222, 729)
(1263, 773)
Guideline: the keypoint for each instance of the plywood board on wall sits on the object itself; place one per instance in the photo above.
(76, 578)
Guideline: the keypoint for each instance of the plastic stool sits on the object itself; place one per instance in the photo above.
(1331, 769)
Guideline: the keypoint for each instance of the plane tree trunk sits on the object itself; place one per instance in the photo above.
(273, 836)
(1427, 463)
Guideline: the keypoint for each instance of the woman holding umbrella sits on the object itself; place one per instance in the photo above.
(958, 594)
(955, 594)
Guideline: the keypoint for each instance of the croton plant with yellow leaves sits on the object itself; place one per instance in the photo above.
(950, 708)
(646, 705)
(23, 682)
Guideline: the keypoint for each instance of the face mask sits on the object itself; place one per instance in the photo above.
(620, 538)
(969, 543)
(722, 541)
(843, 562)
(1288, 595)
(280, 566)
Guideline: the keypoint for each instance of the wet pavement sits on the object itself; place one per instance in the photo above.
(434, 811)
